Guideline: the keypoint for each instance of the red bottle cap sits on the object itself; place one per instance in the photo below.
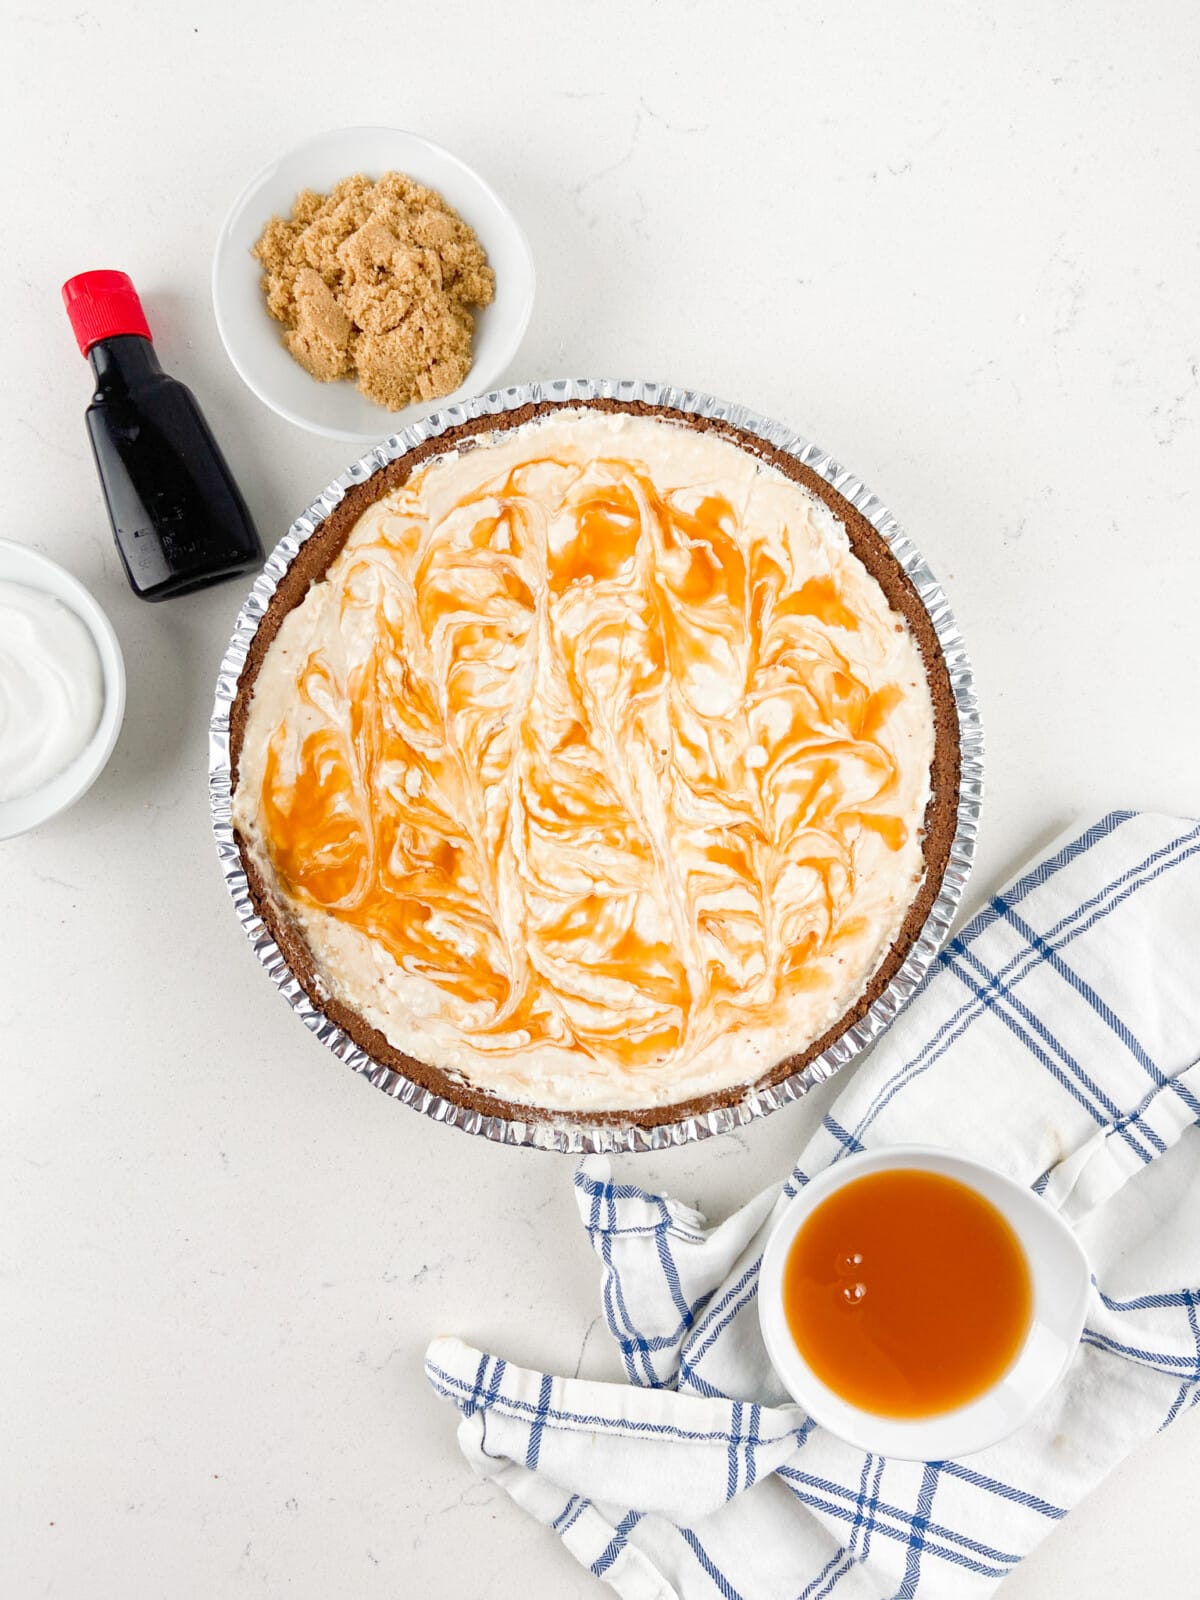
(101, 305)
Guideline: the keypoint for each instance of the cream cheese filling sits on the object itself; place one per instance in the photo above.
(594, 770)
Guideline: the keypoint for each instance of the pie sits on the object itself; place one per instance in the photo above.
(595, 761)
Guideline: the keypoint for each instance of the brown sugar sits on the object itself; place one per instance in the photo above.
(376, 280)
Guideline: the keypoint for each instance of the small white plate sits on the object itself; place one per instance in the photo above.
(20, 564)
(254, 340)
(1061, 1285)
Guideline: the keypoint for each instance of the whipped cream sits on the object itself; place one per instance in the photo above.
(51, 689)
(594, 770)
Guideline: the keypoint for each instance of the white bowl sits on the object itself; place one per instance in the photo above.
(254, 340)
(19, 564)
(1061, 1280)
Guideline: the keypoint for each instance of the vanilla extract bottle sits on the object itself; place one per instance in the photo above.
(178, 518)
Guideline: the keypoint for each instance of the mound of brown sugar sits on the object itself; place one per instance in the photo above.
(376, 281)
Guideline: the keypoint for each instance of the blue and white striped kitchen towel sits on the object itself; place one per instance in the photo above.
(1058, 1039)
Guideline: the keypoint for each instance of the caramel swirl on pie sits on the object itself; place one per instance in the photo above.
(595, 767)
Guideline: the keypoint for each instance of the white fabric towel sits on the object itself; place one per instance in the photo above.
(1057, 1039)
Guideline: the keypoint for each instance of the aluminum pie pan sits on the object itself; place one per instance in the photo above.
(543, 1130)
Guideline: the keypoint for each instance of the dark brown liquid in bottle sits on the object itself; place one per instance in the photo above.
(178, 517)
(907, 1293)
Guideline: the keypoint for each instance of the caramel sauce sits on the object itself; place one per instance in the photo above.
(531, 724)
(907, 1293)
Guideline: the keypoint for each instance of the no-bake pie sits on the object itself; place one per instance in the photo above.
(594, 761)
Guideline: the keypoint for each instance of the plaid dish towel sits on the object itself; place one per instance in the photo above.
(1057, 1038)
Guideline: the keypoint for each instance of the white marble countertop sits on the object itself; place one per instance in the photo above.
(958, 245)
